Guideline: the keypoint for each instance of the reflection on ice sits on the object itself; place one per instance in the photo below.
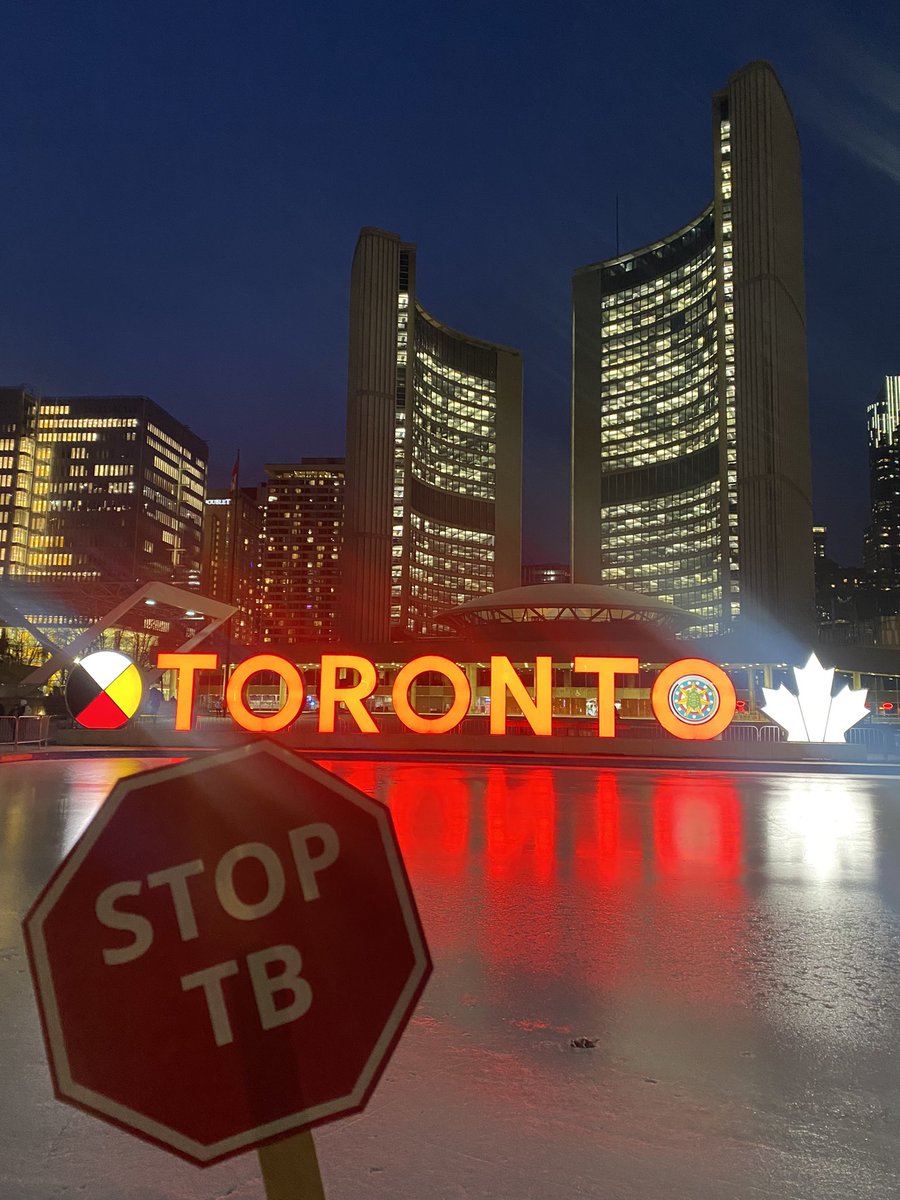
(631, 900)
(730, 943)
(824, 826)
(86, 784)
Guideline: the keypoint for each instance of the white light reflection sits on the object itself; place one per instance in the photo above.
(827, 974)
(823, 825)
(85, 787)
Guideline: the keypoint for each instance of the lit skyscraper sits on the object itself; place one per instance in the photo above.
(119, 486)
(434, 456)
(304, 511)
(232, 555)
(102, 489)
(18, 440)
(691, 456)
(882, 539)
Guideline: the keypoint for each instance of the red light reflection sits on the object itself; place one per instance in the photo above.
(431, 816)
(608, 835)
(520, 818)
(696, 825)
(608, 883)
(357, 772)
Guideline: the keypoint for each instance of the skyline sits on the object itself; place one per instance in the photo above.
(194, 192)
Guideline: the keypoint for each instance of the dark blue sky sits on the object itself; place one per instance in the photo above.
(183, 184)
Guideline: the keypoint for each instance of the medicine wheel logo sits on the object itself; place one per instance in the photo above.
(104, 691)
(693, 699)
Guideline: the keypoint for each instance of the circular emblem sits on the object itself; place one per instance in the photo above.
(694, 699)
(104, 691)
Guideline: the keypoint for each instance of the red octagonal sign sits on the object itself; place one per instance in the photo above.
(229, 953)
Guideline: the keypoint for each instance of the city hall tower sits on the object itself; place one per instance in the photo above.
(690, 448)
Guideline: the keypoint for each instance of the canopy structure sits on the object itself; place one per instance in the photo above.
(568, 607)
(176, 612)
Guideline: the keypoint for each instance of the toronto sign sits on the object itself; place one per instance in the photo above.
(691, 698)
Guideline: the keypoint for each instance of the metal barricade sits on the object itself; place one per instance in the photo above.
(29, 730)
(747, 731)
(881, 739)
(771, 733)
(32, 730)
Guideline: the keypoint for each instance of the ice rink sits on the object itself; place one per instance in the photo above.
(727, 945)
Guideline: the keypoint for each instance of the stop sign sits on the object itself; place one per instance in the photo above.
(229, 954)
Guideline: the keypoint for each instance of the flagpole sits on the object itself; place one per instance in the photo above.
(235, 491)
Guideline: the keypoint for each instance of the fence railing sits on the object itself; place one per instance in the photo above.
(880, 738)
(24, 731)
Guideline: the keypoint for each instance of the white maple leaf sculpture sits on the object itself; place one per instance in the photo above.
(814, 715)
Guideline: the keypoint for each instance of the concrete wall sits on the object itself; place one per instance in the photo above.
(771, 403)
(371, 397)
(508, 505)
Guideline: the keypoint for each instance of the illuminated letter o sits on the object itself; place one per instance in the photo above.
(234, 693)
(694, 725)
(462, 694)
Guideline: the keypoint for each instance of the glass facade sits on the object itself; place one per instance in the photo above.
(690, 425)
(98, 488)
(119, 488)
(18, 441)
(727, 384)
(399, 524)
(451, 466)
(434, 456)
(661, 488)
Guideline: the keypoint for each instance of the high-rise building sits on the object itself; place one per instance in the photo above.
(882, 538)
(691, 452)
(103, 489)
(18, 439)
(232, 556)
(303, 522)
(118, 492)
(434, 456)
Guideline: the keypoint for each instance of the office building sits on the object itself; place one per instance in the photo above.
(691, 454)
(232, 556)
(882, 537)
(303, 522)
(97, 490)
(434, 456)
(18, 440)
(118, 492)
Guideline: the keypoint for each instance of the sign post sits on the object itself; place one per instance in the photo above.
(227, 958)
(290, 1169)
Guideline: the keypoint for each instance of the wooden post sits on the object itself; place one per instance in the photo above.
(290, 1169)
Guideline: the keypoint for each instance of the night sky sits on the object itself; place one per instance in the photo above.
(183, 185)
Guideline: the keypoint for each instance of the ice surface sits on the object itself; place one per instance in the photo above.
(729, 942)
